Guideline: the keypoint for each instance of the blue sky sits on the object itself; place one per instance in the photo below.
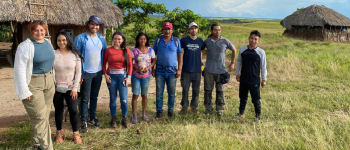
(275, 9)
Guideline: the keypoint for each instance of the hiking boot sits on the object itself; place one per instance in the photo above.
(171, 114)
(159, 114)
(220, 113)
(95, 123)
(124, 122)
(183, 110)
(59, 136)
(194, 110)
(112, 123)
(84, 128)
(134, 119)
(77, 138)
(238, 116)
(144, 117)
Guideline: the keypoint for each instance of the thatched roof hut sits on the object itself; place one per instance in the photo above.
(317, 23)
(68, 15)
(60, 12)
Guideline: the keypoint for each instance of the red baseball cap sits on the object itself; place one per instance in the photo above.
(167, 25)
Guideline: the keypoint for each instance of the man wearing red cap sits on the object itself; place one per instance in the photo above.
(169, 53)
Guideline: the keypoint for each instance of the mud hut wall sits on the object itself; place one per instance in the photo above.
(335, 35)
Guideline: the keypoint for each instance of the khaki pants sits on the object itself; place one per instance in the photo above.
(39, 107)
(209, 81)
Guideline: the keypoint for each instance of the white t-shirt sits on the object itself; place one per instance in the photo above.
(93, 62)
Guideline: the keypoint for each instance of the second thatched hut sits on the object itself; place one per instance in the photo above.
(317, 23)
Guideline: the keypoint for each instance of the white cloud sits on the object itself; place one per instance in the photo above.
(236, 8)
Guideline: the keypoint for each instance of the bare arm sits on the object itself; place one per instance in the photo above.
(233, 56)
(179, 61)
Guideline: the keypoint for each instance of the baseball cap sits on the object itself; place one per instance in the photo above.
(96, 19)
(167, 25)
(192, 24)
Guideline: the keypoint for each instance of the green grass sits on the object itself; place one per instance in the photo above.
(305, 105)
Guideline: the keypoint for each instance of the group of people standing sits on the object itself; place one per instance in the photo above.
(44, 76)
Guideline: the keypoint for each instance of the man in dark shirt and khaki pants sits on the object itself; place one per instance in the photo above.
(251, 60)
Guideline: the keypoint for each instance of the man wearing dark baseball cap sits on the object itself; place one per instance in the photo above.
(91, 45)
(169, 54)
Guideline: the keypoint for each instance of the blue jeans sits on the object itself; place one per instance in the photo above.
(89, 92)
(170, 80)
(138, 83)
(117, 85)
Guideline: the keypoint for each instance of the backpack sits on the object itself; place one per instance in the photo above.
(174, 38)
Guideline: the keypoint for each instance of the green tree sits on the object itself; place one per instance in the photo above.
(137, 12)
(182, 18)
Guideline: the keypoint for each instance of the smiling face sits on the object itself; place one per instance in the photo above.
(38, 33)
(62, 41)
(117, 40)
(254, 40)
(142, 40)
(93, 27)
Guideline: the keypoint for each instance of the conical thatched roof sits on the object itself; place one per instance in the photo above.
(61, 12)
(315, 15)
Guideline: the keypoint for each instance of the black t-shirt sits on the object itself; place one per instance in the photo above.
(192, 54)
(250, 66)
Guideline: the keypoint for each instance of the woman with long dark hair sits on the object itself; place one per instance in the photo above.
(67, 68)
(118, 75)
(144, 59)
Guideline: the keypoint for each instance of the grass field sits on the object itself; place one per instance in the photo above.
(305, 105)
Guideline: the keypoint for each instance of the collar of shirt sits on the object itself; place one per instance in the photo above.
(211, 39)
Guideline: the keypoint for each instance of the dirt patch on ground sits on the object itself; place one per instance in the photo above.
(12, 111)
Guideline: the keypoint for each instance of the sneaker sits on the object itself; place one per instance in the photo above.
(84, 128)
(183, 110)
(124, 122)
(238, 116)
(171, 114)
(144, 117)
(59, 136)
(134, 119)
(207, 113)
(257, 120)
(35, 147)
(194, 110)
(95, 123)
(220, 113)
(112, 123)
(159, 114)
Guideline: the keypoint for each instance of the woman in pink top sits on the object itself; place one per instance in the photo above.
(118, 75)
(144, 59)
(67, 68)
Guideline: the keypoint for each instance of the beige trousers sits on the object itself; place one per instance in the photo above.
(38, 108)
